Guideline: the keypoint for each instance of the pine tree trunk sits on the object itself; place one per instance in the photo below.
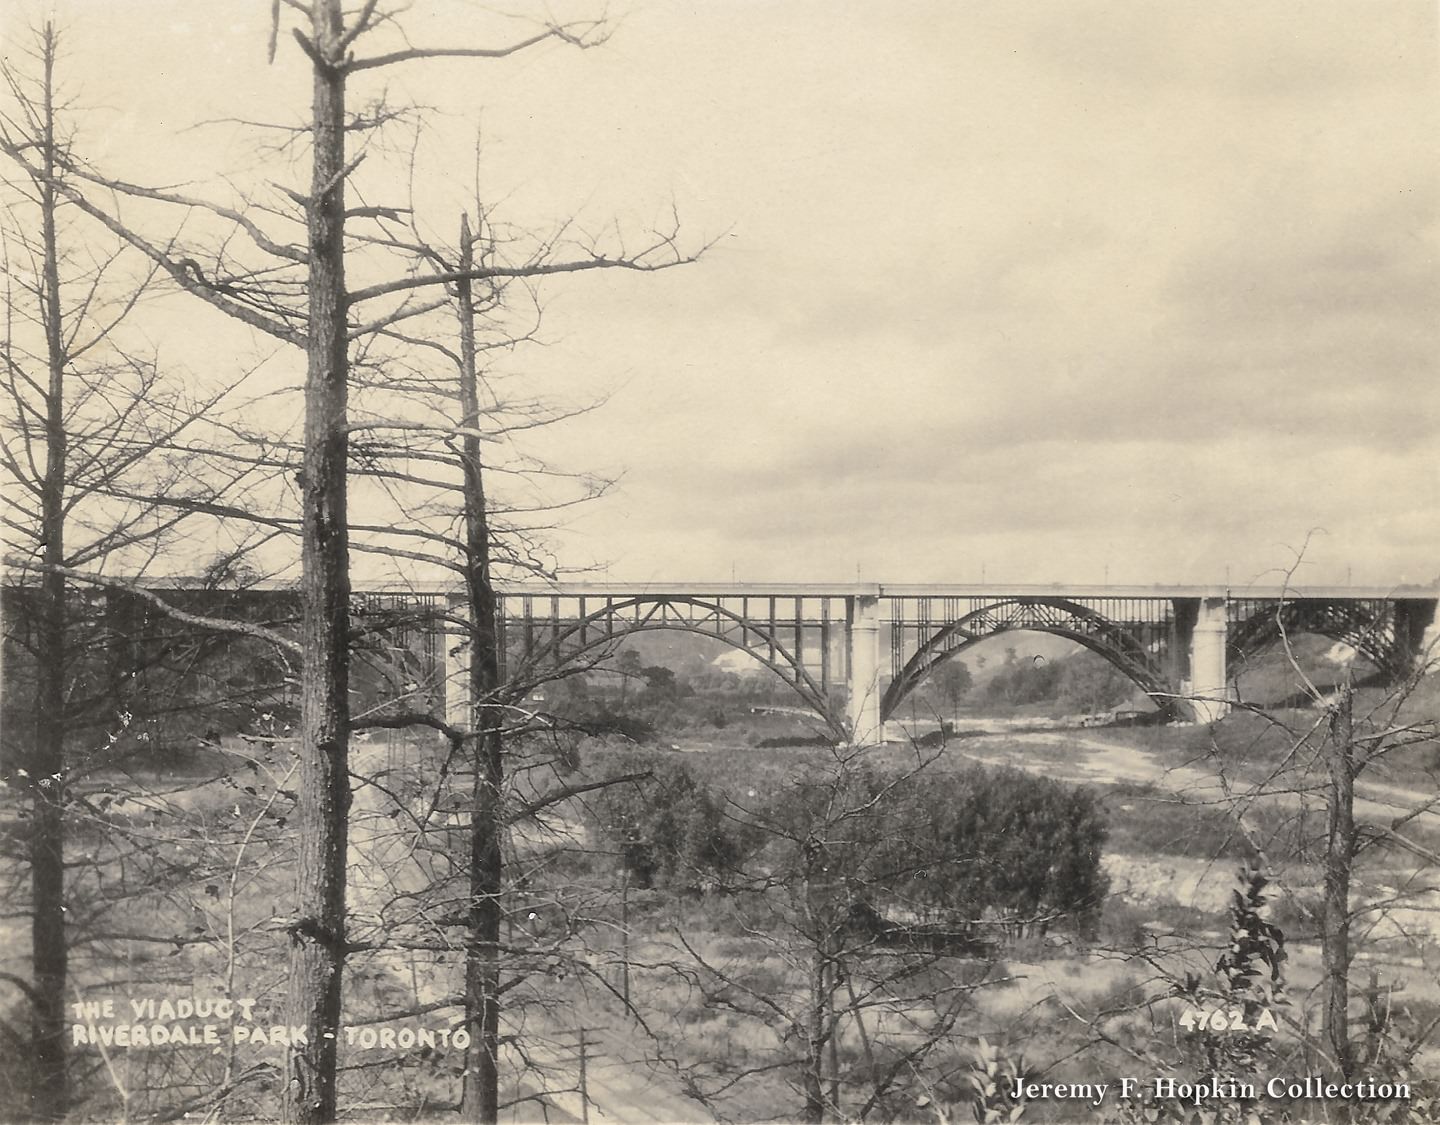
(318, 936)
(481, 1093)
(47, 764)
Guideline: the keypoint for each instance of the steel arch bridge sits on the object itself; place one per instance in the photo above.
(796, 648)
(828, 641)
(1388, 632)
(1136, 647)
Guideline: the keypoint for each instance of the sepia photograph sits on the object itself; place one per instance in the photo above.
(664, 562)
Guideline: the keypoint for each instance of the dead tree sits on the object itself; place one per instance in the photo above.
(1337, 774)
(86, 442)
(463, 420)
(482, 957)
(306, 302)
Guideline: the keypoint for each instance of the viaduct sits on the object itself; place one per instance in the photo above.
(853, 652)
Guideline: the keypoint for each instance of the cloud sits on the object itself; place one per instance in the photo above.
(1055, 287)
(1291, 49)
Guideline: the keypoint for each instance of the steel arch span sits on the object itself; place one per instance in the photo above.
(1369, 626)
(1060, 617)
(566, 641)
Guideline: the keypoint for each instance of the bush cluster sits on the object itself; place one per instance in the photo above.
(970, 846)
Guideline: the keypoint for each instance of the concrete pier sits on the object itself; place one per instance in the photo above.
(455, 646)
(862, 629)
(1208, 686)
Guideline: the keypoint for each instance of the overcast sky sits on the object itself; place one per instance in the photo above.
(1060, 291)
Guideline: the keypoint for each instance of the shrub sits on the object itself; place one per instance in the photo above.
(668, 827)
(1002, 842)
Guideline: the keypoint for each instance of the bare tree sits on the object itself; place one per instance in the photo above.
(836, 886)
(1330, 792)
(1335, 758)
(1335, 916)
(306, 302)
(88, 437)
(461, 417)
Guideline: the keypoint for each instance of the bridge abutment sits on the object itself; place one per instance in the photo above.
(862, 635)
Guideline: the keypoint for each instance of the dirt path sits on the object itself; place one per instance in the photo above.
(1099, 760)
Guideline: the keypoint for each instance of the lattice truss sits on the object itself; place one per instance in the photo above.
(1366, 625)
(798, 639)
(1137, 635)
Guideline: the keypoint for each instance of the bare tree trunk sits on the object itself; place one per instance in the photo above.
(47, 765)
(481, 1096)
(814, 1078)
(1339, 857)
(833, 1040)
(318, 937)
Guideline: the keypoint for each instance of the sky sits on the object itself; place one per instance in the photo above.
(1034, 292)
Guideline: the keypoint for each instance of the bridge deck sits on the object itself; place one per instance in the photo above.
(713, 589)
